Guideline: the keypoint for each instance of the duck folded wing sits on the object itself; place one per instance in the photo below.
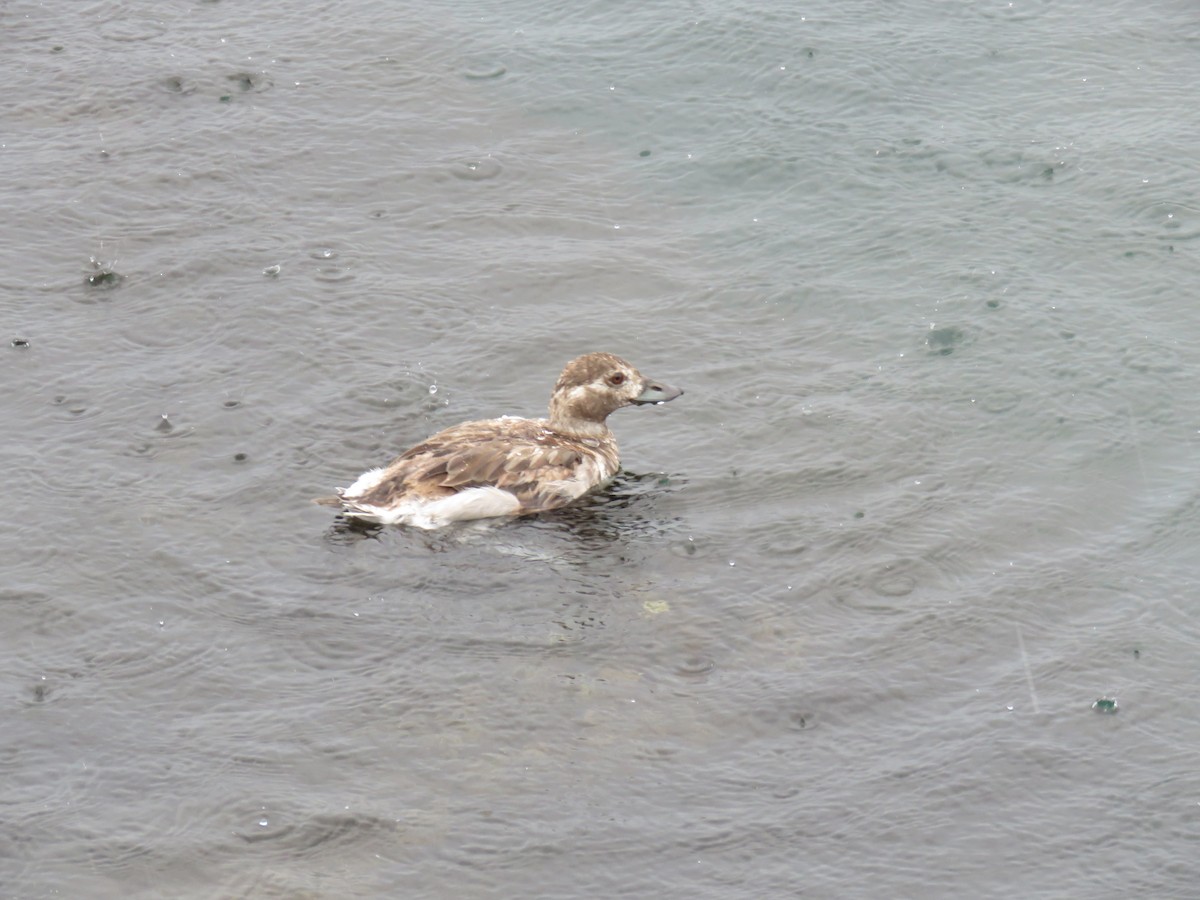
(517, 464)
(539, 475)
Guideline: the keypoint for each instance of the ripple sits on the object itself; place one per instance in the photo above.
(73, 408)
(173, 326)
(250, 82)
(333, 271)
(275, 833)
(894, 583)
(475, 169)
(943, 341)
(1000, 401)
(177, 84)
(689, 547)
(695, 668)
(484, 71)
(145, 661)
(1040, 165)
(1151, 359)
(1005, 11)
(891, 580)
(127, 29)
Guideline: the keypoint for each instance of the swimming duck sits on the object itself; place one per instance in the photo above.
(510, 466)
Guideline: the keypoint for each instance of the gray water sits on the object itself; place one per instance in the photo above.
(927, 272)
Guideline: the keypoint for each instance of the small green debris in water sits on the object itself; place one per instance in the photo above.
(1105, 705)
(103, 279)
(103, 275)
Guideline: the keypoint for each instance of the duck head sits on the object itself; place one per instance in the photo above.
(596, 384)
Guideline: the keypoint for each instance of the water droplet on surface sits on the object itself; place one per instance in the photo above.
(479, 169)
(20, 343)
(103, 277)
(272, 271)
(433, 389)
(164, 425)
(1106, 705)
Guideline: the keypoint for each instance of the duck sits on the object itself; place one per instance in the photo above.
(509, 466)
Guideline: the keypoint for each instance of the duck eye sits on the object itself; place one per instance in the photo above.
(616, 379)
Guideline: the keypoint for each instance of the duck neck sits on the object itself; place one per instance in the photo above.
(577, 427)
(580, 413)
(580, 427)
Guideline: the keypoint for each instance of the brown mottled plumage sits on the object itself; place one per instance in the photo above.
(510, 466)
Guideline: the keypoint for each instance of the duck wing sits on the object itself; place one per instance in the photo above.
(543, 470)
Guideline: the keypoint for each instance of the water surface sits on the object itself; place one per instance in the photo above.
(926, 273)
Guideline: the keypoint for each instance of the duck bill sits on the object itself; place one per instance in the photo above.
(657, 392)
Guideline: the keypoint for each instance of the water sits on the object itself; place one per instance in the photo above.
(925, 271)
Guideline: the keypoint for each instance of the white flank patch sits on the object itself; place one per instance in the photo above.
(366, 481)
(591, 473)
(473, 503)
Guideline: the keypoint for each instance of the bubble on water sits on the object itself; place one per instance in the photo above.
(432, 389)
